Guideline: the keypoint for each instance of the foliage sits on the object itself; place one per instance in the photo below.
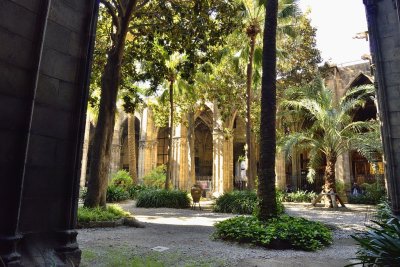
(384, 211)
(380, 245)
(375, 191)
(372, 194)
(326, 127)
(237, 202)
(156, 177)
(157, 198)
(124, 256)
(340, 187)
(299, 196)
(121, 178)
(298, 57)
(111, 213)
(283, 232)
(240, 202)
(116, 193)
(135, 48)
(134, 190)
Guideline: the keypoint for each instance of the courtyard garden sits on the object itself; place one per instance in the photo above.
(221, 107)
(167, 232)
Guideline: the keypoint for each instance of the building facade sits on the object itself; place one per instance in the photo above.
(211, 152)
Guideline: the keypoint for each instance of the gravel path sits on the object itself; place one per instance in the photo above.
(186, 234)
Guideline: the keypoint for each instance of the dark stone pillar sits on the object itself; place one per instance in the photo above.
(45, 52)
(384, 31)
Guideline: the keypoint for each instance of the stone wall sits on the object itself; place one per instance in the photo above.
(43, 76)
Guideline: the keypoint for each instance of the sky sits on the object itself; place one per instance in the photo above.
(337, 21)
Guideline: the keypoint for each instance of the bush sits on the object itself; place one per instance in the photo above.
(373, 194)
(111, 213)
(157, 198)
(156, 177)
(241, 202)
(380, 246)
(116, 193)
(299, 196)
(121, 178)
(384, 211)
(134, 190)
(283, 232)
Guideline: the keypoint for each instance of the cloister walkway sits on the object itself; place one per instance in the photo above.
(184, 237)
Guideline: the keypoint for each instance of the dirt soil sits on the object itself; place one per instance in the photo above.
(183, 239)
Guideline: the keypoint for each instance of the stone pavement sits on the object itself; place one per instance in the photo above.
(186, 234)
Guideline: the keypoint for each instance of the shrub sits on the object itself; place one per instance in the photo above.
(384, 211)
(157, 198)
(373, 194)
(116, 193)
(241, 202)
(380, 246)
(111, 213)
(134, 190)
(283, 232)
(299, 196)
(121, 178)
(156, 177)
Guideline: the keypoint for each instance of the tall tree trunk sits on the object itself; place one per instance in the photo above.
(252, 32)
(96, 194)
(132, 148)
(329, 175)
(171, 129)
(97, 186)
(266, 184)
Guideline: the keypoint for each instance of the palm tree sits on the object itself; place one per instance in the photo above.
(266, 176)
(254, 16)
(328, 130)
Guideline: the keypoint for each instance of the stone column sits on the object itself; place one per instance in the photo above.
(384, 28)
(147, 145)
(342, 170)
(185, 182)
(115, 164)
(280, 170)
(222, 179)
(296, 170)
(228, 164)
(218, 162)
(85, 150)
(45, 56)
(190, 136)
(175, 161)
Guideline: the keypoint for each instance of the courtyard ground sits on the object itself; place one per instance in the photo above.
(182, 238)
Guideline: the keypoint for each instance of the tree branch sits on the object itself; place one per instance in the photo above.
(142, 4)
(112, 13)
(118, 6)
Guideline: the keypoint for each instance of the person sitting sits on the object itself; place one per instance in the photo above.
(356, 189)
(289, 188)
